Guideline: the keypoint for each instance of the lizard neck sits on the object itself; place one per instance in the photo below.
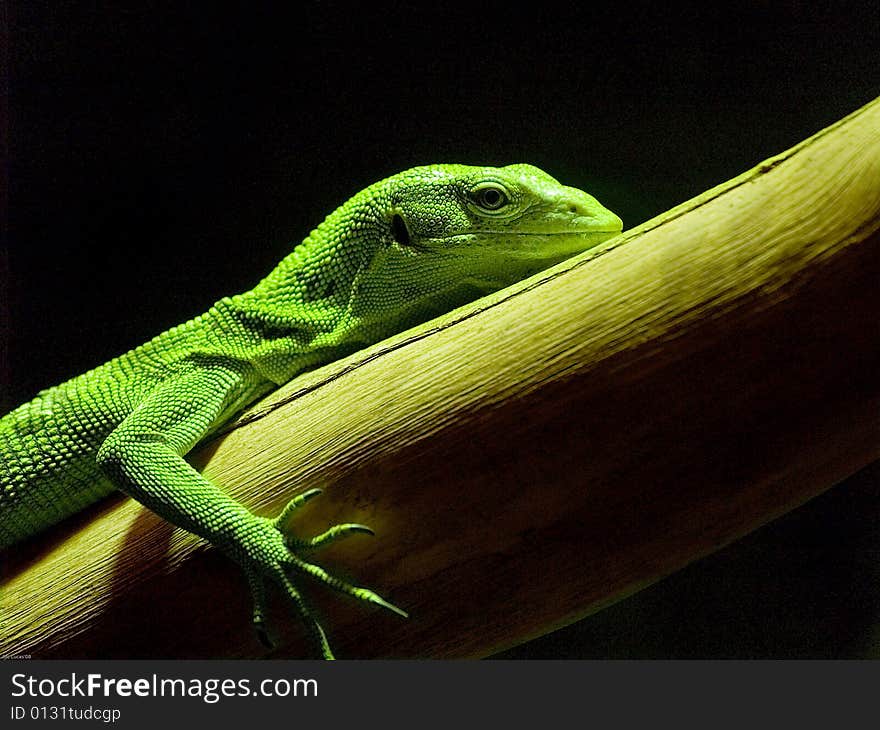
(301, 315)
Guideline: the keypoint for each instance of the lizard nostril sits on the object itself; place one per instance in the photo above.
(572, 208)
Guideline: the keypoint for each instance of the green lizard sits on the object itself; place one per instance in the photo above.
(407, 248)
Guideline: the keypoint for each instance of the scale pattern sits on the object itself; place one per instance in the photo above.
(405, 249)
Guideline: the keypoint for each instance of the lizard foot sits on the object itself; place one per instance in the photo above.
(276, 555)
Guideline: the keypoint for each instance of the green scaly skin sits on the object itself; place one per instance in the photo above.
(406, 249)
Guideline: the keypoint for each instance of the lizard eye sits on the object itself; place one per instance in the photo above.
(490, 196)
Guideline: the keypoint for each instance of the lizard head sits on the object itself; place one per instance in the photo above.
(432, 238)
(494, 214)
(451, 233)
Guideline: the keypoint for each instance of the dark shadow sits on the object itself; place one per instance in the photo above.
(33, 549)
(804, 586)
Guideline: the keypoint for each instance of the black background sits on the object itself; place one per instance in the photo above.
(161, 158)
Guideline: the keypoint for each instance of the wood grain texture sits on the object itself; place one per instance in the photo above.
(537, 455)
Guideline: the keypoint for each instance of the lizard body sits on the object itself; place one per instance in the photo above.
(407, 248)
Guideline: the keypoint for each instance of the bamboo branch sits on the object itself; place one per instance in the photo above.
(535, 456)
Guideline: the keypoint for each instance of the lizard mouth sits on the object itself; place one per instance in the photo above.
(537, 245)
(572, 232)
(556, 245)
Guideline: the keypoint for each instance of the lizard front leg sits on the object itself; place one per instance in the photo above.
(143, 457)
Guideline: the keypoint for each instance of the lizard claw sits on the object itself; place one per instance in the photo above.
(263, 634)
(379, 601)
(333, 534)
(337, 532)
(280, 522)
(362, 594)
